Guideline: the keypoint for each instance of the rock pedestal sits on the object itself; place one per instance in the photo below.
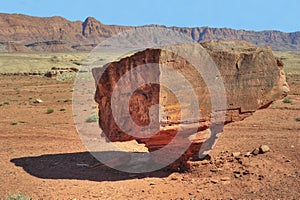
(253, 78)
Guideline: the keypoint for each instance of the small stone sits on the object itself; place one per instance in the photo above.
(214, 181)
(246, 172)
(260, 177)
(225, 179)
(237, 175)
(218, 162)
(38, 101)
(236, 154)
(248, 154)
(184, 179)
(292, 146)
(82, 165)
(287, 160)
(205, 162)
(264, 149)
(255, 151)
(152, 183)
(174, 178)
(214, 170)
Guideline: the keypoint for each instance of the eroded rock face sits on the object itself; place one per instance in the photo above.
(253, 78)
(22, 33)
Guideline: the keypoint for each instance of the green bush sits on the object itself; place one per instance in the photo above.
(14, 123)
(287, 100)
(68, 100)
(4, 103)
(92, 118)
(18, 197)
(50, 110)
(71, 76)
(63, 109)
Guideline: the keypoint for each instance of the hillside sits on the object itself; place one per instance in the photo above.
(22, 33)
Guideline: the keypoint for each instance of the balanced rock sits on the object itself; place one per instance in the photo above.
(252, 76)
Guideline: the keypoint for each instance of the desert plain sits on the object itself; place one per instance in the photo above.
(42, 156)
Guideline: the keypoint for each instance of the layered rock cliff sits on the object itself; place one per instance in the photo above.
(253, 78)
(22, 33)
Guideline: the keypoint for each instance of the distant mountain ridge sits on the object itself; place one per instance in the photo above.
(22, 33)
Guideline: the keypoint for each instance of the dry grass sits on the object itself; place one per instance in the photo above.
(22, 62)
(291, 60)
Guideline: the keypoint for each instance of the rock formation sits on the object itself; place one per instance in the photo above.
(253, 79)
(22, 33)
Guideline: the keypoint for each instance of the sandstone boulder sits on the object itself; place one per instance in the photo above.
(253, 78)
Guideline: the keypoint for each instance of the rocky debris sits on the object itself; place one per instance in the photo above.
(214, 170)
(152, 183)
(51, 74)
(82, 165)
(255, 151)
(38, 101)
(246, 172)
(237, 175)
(225, 179)
(214, 181)
(260, 177)
(205, 162)
(264, 149)
(236, 154)
(57, 70)
(252, 77)
(248, 154)
(34, 73)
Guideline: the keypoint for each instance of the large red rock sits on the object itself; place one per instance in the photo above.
(253, 79)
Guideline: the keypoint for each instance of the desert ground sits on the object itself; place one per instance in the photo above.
(42, 154)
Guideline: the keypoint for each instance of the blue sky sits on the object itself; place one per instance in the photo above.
(281, 15)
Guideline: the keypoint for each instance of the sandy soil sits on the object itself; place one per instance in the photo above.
(41, 153)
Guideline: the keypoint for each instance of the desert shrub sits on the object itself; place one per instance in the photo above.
(50, 110)
(18, 197)
(63, 109)
(92, 118)
(65, 100)
(14, 123)
(287, 100)
(4, 103)
(68, 100)
(66, 77)
(18, 90)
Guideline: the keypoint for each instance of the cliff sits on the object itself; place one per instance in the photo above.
(22, 33)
